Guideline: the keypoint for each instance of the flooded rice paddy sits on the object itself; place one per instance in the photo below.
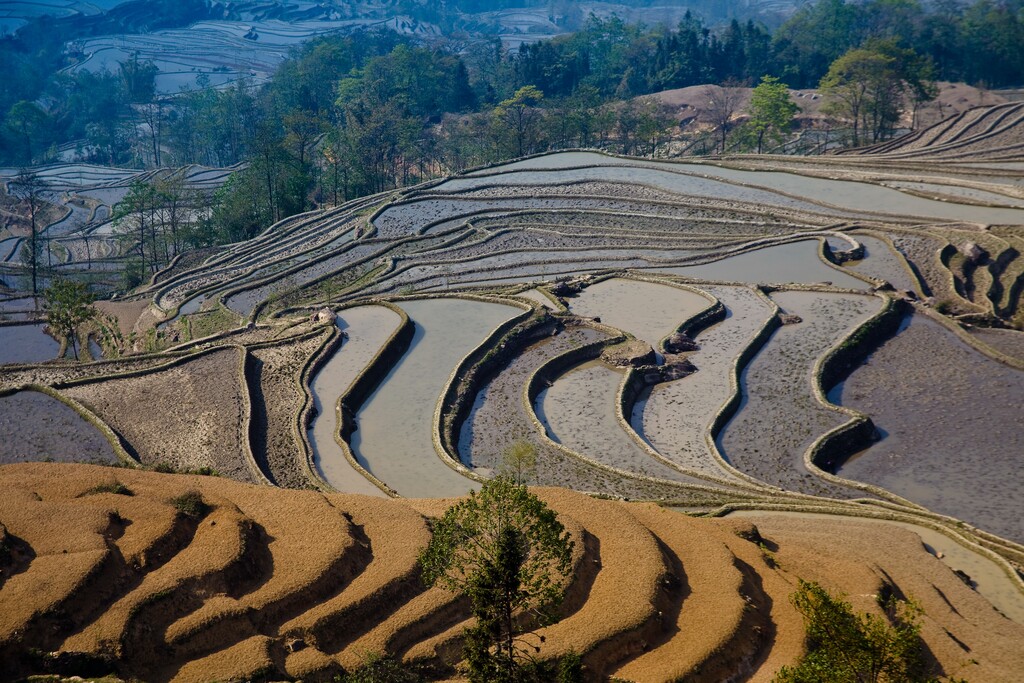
(846, 195)
(674, 417)
(26, 344)
(1010, 342)
(649, 311)
(579, 410)
(792, 262)
(393, 439)
(37, 427)
(366, 329)
(883, 263)
(779, 416)
(951, 426)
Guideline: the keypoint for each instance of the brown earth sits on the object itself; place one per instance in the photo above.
(953, 99)
(301, 584)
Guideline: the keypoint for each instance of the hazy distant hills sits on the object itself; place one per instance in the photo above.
(219, 43)
(537, 17)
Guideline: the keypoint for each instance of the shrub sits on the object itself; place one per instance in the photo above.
(378, 668)
(191, 505)
(843, 646)
(115, 487)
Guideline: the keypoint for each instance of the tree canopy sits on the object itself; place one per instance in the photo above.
(771, 112)
(507, 552)
(846, 647)
(68, 304)
(867, 86)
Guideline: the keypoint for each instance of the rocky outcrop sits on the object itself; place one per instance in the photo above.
(629, 354)
(680, 343)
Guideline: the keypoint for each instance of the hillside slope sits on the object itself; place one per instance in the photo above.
(990, 133)
(106, 568)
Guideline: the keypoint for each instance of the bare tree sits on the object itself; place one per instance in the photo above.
(29, 188)
(722, 104)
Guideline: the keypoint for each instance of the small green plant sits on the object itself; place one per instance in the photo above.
(191, 505)
(768, 556)
(519, 461)
(114, 487)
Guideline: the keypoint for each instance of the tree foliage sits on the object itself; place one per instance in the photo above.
(771, 112)
(868, 87)
(507, 552)
(68, 304)
(846, 647)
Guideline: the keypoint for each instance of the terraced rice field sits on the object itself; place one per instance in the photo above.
(936, 448)
(393, 435)
(366, 329)
(656, 595)
(26, 344)
(39, 427)
(654, 331)
(579, 412)
(766, 439)
(674, 417)
(648, 311)
(82, 239)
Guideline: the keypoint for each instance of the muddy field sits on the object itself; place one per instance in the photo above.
(950, 424)
(190, 416)
(779, 416)
(39, 427)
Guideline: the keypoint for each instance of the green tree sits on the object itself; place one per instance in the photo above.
(378, 668)
(520, 461)
(845, 647)
(68, 304)
(869, 86)
(517, 121)
(507, 552)
(771, 112)
(28, 121)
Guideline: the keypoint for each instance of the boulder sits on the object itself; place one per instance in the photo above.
(790, 319)
(675, 367)
(972, 252)
(564, 288)
(680, 342)
(323, 316)
(632, 353)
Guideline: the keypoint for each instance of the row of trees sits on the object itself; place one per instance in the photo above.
(157, 220)
(119, 118)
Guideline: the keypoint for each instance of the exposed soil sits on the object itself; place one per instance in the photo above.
(656, 595)
(188, 416)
